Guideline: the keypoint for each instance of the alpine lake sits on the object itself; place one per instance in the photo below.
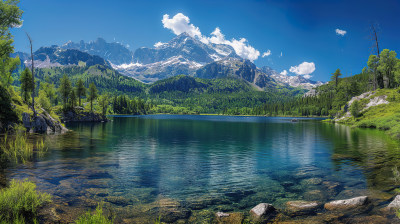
(186, 168)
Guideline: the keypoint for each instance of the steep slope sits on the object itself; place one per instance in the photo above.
(236, 67)
(182, 55)
(55, 56)
(115, 53)
(105, 78)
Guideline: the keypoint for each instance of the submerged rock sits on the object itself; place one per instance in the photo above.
(348, 203)
(231, 218)
(262, 211)
(296, 208)
(221, 214)
(395, 204)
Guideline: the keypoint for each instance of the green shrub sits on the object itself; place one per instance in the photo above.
(97, 218)
(20, 201)
(355, 108)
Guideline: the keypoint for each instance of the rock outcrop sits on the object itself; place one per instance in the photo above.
(82, 116)
(347, 203)
(43, 123)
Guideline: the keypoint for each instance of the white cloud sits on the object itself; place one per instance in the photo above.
(284, 72)
(241, 46)
(266, 54)
(159, 44)
(128, 46)
(304, 68)
(307, 76)
(181, 23)
(340, 32)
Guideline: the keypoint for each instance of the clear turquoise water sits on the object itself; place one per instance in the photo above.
(220, 162)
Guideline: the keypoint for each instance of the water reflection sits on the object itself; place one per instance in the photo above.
(243, 160)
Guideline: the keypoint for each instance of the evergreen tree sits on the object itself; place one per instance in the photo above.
(26, 84)
(103, 103)
(92, 94)
(80, 90)
(65, 89)
(335, 77)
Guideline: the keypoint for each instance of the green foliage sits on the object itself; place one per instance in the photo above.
(97, 218)
(65, 89)
(44, 101)
(10, 17)
(103, 103)
(355, 108)
(387, 65)
(92, 94)
(7, 112)
(49, 90)
(20, 202)
(18, 148)
(336, 76)
(80, 90)
(26, 84)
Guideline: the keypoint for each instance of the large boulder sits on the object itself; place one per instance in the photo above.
(43, 123)
(262, 211)
(347, 203)
(297, 208)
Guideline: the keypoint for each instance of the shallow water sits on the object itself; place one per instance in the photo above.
(196, 165)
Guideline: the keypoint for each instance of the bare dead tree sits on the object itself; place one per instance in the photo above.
(33, 76)
(374, 30)
(374, 37)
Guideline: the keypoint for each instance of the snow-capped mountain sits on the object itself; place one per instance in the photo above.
(182, 55)
(294, 81)
(55, 56)
(115, 53)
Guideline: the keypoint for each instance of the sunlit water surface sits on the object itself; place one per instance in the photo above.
(137, 164)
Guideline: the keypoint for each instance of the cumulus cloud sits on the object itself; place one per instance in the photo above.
(340, 32)
(305, 68)
(241, 46)
(181, 23)
(159, 44)
(284, 72)
(266, 54)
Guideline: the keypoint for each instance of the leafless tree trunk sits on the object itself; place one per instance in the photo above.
(33, 76)
(374, 37)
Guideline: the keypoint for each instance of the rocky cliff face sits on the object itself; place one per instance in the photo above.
(115, 53)
(82, 116)
(43, 124)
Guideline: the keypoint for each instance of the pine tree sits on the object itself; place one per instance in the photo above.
(92, 94)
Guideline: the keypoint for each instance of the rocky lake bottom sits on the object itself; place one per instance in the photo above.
(204, 169)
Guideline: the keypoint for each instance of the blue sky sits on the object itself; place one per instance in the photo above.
(302, 30)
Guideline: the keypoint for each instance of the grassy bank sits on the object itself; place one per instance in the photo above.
(383, 117)
(19, 203)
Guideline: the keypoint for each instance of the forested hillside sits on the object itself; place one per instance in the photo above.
(382, 72)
